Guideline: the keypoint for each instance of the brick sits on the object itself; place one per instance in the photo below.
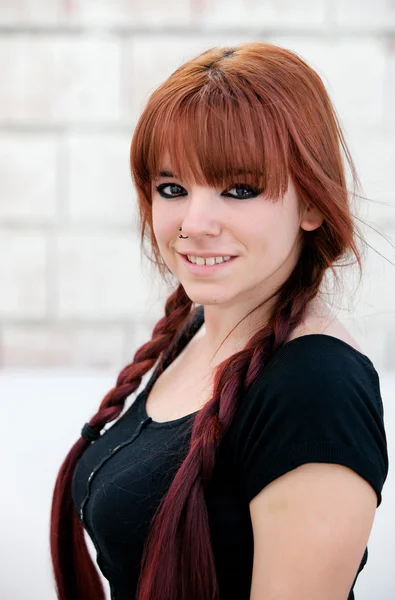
(60, 78)
(62, 345)
(23, 257)
(100, 185)
(12, 68)
(150, 60)
(352, 70)
(262, 14)
(132, 13)
(31, 12)
(100, 276)
(364, 14)
(28, 175)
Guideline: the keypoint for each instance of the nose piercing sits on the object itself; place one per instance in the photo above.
(181, 236)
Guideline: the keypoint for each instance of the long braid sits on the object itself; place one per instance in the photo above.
(181, 524)
(68, 547)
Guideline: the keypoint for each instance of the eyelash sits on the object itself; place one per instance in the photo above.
(253, 191)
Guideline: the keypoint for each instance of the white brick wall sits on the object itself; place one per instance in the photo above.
(365, 14)
(99, 276)
(59, 78)
(62, 344)
(23, 275)
(93, 13)
(100, 188)
(13, 52)
(27, 12)
(266, 14)
(126, 13)
(29, 177)
(75, 75)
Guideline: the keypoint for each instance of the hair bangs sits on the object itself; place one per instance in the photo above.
(218, 137)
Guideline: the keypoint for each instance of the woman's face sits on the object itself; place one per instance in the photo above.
(264, 236)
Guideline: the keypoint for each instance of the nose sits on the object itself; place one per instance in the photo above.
(200, 218)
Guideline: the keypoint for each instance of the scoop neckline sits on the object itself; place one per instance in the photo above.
(152, 423)
(185, 418)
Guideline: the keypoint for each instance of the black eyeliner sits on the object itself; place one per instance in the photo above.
(254, 191)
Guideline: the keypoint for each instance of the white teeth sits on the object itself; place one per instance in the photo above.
(198, 260)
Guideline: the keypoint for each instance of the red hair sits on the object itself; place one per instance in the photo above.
(260, 109)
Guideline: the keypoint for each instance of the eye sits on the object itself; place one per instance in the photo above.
(174, 188)
(244, 192)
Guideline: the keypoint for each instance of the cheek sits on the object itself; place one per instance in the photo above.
(274, 240)
(165, 227)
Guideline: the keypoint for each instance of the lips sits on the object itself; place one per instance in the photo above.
(214, 255)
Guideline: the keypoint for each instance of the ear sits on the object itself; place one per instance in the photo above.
(311, 218)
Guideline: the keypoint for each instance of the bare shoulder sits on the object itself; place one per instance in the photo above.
(320, 319)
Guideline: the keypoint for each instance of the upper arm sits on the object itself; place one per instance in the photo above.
(311, 527)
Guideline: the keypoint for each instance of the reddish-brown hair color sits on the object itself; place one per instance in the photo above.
(260, 109)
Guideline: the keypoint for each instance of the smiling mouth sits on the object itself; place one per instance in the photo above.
(208, 264)
(195, 268)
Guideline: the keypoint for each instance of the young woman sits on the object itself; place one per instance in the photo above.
(252, 464)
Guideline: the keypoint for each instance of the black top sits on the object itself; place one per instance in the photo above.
(316, 400)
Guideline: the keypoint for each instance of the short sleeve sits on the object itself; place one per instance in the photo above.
(317, 400)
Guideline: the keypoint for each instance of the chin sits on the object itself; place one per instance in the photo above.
(207, 298)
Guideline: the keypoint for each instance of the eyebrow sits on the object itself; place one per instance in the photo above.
(166, 174)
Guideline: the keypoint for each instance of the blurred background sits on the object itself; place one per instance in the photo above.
(77, 298)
